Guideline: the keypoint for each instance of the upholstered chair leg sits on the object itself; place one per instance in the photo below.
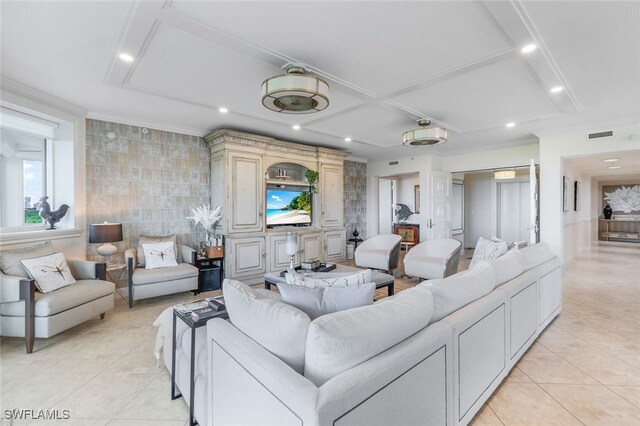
(130, 281)
(28, 294)
(102, 315)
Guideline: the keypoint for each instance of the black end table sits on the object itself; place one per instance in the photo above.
(193, 324)
(210, 273)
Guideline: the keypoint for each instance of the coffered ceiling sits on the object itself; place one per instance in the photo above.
(388, 63)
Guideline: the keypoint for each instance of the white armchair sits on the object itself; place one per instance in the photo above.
(379, 252)
(433, 259)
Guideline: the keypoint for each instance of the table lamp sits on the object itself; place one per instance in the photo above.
(292, 248)
(105, 233)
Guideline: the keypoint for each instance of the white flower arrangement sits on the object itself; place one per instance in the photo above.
(206, 217)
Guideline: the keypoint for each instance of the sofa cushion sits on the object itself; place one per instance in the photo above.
(456, 291)
(536, 254)
(150, 239)
(63, 299)
(340, 341)
(316, 302)
(329, 279)
(159, 255)
(10, 259)
(278, 327)
(143, 276)
(507, 267)
(424, 266)
(487, 250)
(50, 272)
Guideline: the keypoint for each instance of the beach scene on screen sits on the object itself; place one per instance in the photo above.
(288, 207)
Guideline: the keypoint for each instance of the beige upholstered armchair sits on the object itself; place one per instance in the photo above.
(26, 312)
(145, 283)
(379, 252)
(433, 259)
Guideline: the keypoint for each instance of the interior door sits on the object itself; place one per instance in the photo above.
(331, 184)
(513, 211)
(439, 201)
(385, 214)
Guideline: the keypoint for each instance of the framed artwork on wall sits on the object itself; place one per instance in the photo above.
(416, 198)
(576, 195)
(565, 194)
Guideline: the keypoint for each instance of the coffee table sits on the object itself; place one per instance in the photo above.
(379, 278)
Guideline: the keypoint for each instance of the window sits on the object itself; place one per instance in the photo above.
(457, 208)
(29, 144)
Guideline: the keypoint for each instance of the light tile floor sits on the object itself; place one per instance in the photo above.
(584, 369)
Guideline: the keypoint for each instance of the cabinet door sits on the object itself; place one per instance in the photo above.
(335, 246)
(246, 256)
(310, 247)
(278, 258)
(331, 191)
(247, 193)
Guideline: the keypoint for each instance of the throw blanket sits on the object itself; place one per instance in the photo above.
(164, 322)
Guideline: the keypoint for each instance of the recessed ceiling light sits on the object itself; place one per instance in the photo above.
(511, 124)
(614, 167)
(296, 127)
(347, 139)
(611, 160)
(556, 89)
(126, 57)
(223, 110)
(529, 48)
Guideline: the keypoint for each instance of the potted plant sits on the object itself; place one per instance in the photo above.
(312, 178)
(209, 219)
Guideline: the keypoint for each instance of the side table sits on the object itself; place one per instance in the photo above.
(210, 273)
(188, 319)
(114, 274)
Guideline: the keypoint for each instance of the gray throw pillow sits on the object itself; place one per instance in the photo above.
(316, 302)
(10, 259)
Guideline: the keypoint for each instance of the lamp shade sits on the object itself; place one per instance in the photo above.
(105, 232)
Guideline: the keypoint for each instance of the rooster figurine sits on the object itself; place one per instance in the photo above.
(51, 217)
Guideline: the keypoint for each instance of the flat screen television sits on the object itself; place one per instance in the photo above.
(288, 207)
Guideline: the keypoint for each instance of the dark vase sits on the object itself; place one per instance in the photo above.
(608, 211)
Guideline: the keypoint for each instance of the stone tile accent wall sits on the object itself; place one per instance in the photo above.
(148, 181)
(355, 198)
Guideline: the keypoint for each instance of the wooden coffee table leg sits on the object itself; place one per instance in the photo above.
(28, 293)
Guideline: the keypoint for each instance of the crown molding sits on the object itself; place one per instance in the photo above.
(9, 86)
(149, 124)
(592, 125)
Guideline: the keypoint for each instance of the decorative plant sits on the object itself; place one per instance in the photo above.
(206, 217)
(312, 178)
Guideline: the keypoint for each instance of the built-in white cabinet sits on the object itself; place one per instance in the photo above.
(247, 193)
(331, 195)
(277, 253)
(311, 247)
(242, 167)
(245, 257)
(335, 246)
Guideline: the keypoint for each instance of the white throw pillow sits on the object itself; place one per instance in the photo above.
(278, 327)
(159, 255)
(321, 280)
(487, 250)
(50, 272)
(536, 254)
(340, 341)
(507, 267)
(316, 302)
(456, 291)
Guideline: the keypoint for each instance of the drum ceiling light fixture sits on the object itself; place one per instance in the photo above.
(424, 136)
(295, 92)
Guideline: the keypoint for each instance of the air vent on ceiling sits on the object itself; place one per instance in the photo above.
(601, 134)
(393, 163)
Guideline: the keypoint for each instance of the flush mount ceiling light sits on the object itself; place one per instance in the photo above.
(529, 48)
(296, 127)
(424, 136)
(614, 167)
(611, 160)
(126, 57)
(295, 92)
(223, 110)
(511, 124)
(556, 89)
(504, 174)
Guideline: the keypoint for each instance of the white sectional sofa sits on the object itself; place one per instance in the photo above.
(435, 353)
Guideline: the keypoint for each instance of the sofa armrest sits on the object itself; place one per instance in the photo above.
(187, 254)
(87, 270)
(10, 288)
(247, 384)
